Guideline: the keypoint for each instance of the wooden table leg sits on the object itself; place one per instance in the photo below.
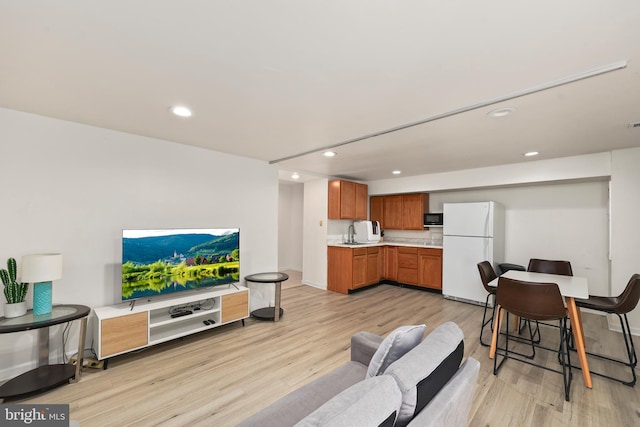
(494, 336)
(578, 336)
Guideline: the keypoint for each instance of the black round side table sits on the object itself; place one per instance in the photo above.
(45, 376)
(269, 313)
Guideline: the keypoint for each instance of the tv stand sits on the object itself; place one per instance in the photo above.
(122, 328)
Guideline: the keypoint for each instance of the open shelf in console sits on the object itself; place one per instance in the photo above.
(183, 325)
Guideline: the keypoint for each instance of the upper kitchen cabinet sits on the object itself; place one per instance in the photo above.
(375, 209)
(400, 211)
(347, 200)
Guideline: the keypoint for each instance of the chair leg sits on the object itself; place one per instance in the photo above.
(631, 354)
(565, 354)
(487, 321)
(496, 365)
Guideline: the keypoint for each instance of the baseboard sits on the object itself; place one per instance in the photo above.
(314, 285)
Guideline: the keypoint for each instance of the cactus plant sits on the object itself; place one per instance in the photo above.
(14, 291)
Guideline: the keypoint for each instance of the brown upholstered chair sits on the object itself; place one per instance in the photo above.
(562, 268)
(547, 266)
(620, 306)
(487, 274)
(535, 301)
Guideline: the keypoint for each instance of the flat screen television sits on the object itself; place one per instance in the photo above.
(163, 262)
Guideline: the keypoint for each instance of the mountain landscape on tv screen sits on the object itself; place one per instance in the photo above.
(156, 265)
(144, 250)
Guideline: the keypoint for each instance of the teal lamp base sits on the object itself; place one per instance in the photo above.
(42, 298)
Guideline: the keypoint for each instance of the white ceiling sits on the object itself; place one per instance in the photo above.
(274, 79)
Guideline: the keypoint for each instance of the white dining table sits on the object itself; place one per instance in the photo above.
(571, 287)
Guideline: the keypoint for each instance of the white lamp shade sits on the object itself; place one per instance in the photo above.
(38, 268)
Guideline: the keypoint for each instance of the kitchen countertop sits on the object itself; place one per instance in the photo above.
(387, 243)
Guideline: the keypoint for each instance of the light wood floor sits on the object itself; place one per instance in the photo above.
(219, 377)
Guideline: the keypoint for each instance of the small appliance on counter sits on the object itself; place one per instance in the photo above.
(367, 231)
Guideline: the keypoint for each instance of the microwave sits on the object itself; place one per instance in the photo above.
(431, 219)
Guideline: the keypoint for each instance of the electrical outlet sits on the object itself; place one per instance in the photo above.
(88, 362)
(95, 363)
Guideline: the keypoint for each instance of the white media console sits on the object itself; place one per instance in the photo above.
(121, 329)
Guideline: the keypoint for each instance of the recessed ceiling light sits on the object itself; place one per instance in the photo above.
(501, 112)
(181, 111)
(396, 172)
(531, 153)
(295, 175)
(329, 153)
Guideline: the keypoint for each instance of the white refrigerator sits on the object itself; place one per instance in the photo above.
(472, 233)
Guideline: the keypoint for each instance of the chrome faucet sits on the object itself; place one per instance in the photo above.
(351, 232)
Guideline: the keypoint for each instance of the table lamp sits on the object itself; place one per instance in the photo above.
(41, 269)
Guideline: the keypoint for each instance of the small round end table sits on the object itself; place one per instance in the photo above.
(269, 313)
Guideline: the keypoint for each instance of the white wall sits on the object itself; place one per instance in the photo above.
(625, 224)
(72, 188)
(565, 221)
(314, 257)
(290, 212)
(541, 171)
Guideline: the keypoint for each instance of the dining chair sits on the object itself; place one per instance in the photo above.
(487, 274)
(535, 301)
(547, 266)
(620, 306)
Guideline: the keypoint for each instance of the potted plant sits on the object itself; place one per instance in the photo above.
(14, 291)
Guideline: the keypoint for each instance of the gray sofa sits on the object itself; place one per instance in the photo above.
(396, 381)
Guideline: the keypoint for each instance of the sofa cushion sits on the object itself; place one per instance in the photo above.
(424, 370)
(296, 405)
(371, 402)
(394, 346)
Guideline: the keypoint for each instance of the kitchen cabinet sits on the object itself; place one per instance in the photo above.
(347, 200)
(392, 212)
(391, 263)
(352, 268)
(430, 268)
(408, 265)
(399, 211)
(375, 209)
(373, 269)
(413, 208)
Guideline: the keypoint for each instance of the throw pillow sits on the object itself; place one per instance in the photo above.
(394, 346)
(423, 371)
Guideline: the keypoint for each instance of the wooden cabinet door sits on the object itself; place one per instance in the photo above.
(339, 269)
(413, 211)
(235, 306)
(361, 194)
(124, 333)
(375, 209)
(333, 211)
(359, 269)
(430, 268)
(373, 255)
(347, 200)
(392, 212)
(382, 254)
(391, 263)
(408, 265)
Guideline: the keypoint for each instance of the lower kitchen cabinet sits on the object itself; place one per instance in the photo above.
(352, 268)
(430, 268)
(391, 263)
(408, 265)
